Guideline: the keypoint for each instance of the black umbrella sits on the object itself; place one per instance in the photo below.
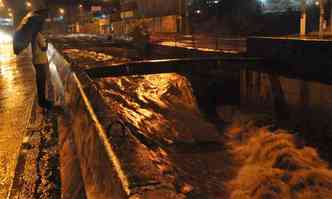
(31, 24)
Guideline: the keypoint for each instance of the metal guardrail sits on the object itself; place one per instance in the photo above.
(204, 64)
(182, 65)
(201, 41)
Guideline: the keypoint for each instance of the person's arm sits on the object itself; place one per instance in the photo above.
(42, 42)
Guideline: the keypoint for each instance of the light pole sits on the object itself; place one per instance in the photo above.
(62, 13)
(322, 22)
(216, 3)
(331, 19)
(80, 18)
(180, 16)
(186, 11)
(321, 17)
(303, 19)
(184, 16)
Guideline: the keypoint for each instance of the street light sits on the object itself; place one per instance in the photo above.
(62, 11)
(216, 2)
(303, 18)
(1, 4)
(28, 4)
(322, 21)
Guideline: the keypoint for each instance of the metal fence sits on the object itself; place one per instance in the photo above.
(200, 41)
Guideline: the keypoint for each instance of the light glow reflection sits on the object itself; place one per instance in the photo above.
(5, 38)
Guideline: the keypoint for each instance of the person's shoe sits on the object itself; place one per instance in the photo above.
(46, 104)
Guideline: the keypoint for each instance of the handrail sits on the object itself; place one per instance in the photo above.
(204, 64)
(182, 65)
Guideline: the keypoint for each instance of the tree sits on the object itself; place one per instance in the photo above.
(232, 16)
(282, 5)
(242, 14)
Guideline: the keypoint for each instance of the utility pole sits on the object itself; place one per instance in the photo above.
(180, 17)
(331, 16)
(321, 17)
(216, 3)
(184, 16)
(303, 19)
(188, 27)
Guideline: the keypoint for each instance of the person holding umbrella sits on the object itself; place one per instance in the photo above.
(40, 60)
(30, 31)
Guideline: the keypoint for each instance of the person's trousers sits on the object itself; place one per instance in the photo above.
(41, 73)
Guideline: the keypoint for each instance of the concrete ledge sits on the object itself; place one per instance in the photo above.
(309, 58)
(291, 49)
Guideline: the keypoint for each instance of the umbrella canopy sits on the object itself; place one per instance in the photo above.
(31, 24)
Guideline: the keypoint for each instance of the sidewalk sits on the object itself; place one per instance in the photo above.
(37, 174)
(17, 88)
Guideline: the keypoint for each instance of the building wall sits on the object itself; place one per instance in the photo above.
(100, 26)
(157, 15)
(153, 8)
(165, 24)
(158, 7)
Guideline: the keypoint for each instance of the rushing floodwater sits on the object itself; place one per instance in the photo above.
(242, 162)
(163, 108)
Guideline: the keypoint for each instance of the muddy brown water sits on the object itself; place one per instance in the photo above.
(163, 107)
(198, 154)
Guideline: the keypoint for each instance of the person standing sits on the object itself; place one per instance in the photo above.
(40, 62)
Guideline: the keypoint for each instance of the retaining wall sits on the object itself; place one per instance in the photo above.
(98, 158)
(308, 100)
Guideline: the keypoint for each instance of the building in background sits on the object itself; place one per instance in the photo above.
(106, 16)
(80, 18)
(6, 17)
(316, 15)
(155, 15)
(280, 5)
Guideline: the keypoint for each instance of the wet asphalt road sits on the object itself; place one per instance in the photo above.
(16, 95)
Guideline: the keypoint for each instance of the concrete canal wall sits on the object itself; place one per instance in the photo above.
(98, 158)
(309, 100)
